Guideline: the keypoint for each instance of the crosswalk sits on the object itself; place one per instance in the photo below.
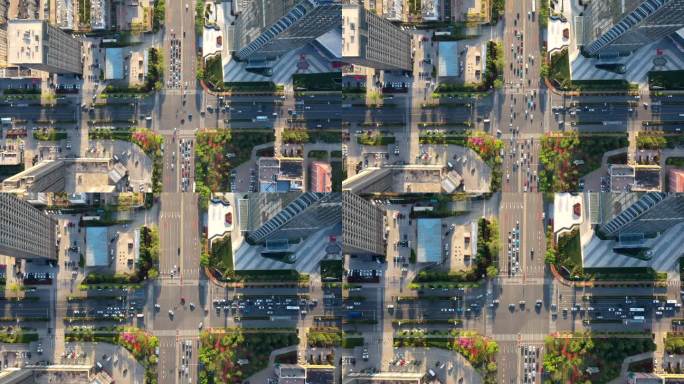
(512, 205)
(169, 215)
(522, 337)
(166, 335)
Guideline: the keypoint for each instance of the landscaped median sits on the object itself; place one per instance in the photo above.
(232, 355)
(400, 322)
(375, 139)
(17, 335)
(49, 134)
(590, 358)
(479, 350)
(324, 337)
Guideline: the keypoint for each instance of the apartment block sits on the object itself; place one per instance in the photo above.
(38, 45)
(372, 41)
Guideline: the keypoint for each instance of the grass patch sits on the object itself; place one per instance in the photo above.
(567, 359)
(158, 14)
(569, 254)
(329, 81)
(295, 136)
(375, 139)
(325, 136)
(592, 147)
(109, 134)
(675, 161)
(338, 174)
(221, 349)
(49, 134)
(666, 79)
(221, 255)
(331, 270)
(324, 337)
(213, 71)
(318, 155)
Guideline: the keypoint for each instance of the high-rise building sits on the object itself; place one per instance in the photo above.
(619, 27)
(372, 41)
(652, 213)
(38, 45)
(363, 226)
(303, 216)
(321, 177)
(25, 231)
(267, 29)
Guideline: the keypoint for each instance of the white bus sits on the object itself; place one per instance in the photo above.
(6, 120)
(292, 308)
(261, 118)
(636, 310)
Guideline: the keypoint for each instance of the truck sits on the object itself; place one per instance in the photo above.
(261, 118)
(354, 315)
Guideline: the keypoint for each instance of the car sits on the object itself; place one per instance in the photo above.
(171, 312)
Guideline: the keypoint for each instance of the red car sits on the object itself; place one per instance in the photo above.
(229, 218)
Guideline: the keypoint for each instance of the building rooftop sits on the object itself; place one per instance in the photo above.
(96, 247)
(429, 241)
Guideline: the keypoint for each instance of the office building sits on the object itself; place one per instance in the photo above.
(267, 29)
(619, 27)
(676, 180)
(25, 231)
(321, 177)
(372, 41)
(304, 215)
(651, 214)
(363, 226)
(38, 45)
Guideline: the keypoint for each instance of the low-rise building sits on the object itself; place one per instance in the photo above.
(321, 177)
(281, 175)
(676, 183)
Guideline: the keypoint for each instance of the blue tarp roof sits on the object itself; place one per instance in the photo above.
(114, 64)
(96, 246)
(429, 245)
(447, 62)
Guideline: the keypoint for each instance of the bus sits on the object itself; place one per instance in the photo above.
(6, 120)
(533, 7)
(638, 318)
(292, 308)
(261, 118)
(636, 310)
